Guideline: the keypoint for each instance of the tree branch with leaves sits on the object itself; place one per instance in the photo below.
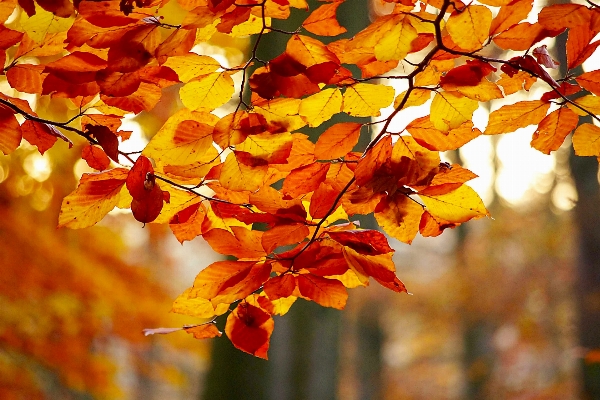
(224, 177)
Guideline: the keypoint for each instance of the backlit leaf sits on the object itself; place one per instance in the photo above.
(207, 92)
(553, 130)
(96, 195)
(321, 106)
(337, 141)
(323, 21)
(323, 291)
(470, 27)
(398, 215)
(249, 328)
(366, 100)
(511, 117)
(457, 206)
(10, 131)
(586, 140)
(449, 110)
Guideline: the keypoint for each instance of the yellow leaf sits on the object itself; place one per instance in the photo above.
(417, 97)
(365, 100)
(96, 195)
(197, 307)
(282, 112)
(399, 217)
(586, 140)
(396, 44)
(183, 139)
(282, 305)
(208, 92)
(273, 148)
(238, 176)
(511, 117)
(433, 72)
(320, 107)
(458, 206)
(178, 200)
(251, 27)
(42, 23)
(470, 28)
(449, 110)
(590, 103)
(192, 65)
(483, 91)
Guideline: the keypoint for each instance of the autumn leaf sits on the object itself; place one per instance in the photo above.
(11, 131)
(457, 206)
(586, 140)
(399, 216)
(337, 141)
(470, 27)
(249, 328)
(553, 130)
(323, 291)
(323, 21)
(95, 196)
(366, 100)
(207, 92)
(320, 107)
(449, 110)
(511, 117)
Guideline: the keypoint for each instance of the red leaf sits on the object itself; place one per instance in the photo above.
(106, 138)
(95, 157)
(365, 241)
(249, 328)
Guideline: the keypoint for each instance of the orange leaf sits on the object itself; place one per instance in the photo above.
(322, 201)
(219, 276)
(380, 267)
(374, 159)
(96, 195)
(243, 243)
(323, 291)
(586, 140)
(26, 78)
(510, 15)
(204, 331)
(337, 141)
(95, 157)
(511, 117)
(323, 21)
(280, 286)
(431, 226)
(308, 51)
(283, 235)
(249, 328)
(590, 81)
(305, 179)
(10, 131)
(187, 224)
(40, 135)
(553, 130)
(423, 131)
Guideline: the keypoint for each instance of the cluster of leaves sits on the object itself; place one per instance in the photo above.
(224, 178)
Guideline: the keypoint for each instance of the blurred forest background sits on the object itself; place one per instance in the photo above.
(503, 308)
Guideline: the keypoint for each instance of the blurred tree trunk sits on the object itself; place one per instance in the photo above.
(587, 220)
(584, 171)
(304, 347)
